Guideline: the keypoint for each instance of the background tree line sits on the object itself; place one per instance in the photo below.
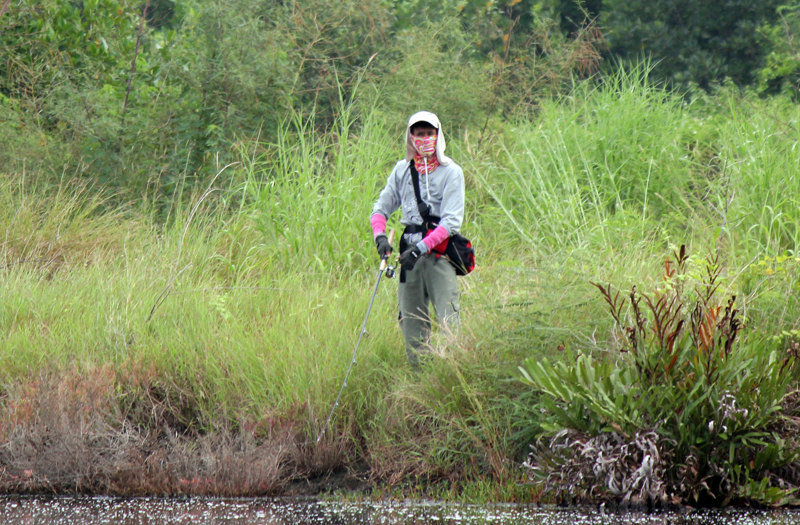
(139, 95)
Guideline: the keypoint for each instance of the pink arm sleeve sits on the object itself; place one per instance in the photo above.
(378, 223)
(436, 237)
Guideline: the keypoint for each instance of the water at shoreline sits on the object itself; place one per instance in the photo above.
(128, 511)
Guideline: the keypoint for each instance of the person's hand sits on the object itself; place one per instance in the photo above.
(383, 246)
(409, 258)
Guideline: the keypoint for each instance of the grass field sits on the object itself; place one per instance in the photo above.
(197, 346)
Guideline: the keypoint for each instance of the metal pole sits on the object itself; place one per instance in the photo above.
(382, 268)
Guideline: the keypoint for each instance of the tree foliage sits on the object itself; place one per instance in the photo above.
(87, 88)
(781, 70)
(702, 42)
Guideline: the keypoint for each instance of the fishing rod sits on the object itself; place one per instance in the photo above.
(384, 268)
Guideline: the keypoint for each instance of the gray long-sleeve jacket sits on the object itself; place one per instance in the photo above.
(442, 190)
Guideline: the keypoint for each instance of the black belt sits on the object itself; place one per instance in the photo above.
(416, 228)
(430, 224)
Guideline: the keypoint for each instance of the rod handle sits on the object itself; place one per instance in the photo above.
(391, 241)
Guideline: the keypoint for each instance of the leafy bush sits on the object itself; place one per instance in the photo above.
(693, 42)
(677, 410)
(781, 69)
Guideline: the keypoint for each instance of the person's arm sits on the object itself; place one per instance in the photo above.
(387, 203)
(378, 223)
(433, 239)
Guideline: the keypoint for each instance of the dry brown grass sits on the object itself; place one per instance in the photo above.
(69, 433)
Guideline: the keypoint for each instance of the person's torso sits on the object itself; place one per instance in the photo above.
(434, 188)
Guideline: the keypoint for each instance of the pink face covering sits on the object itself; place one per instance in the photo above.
(425, 160)
(426, 146)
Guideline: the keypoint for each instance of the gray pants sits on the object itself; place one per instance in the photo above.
(431, 281)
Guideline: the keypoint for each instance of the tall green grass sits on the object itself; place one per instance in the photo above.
(311, 193)
(758, 200)
(611, 157)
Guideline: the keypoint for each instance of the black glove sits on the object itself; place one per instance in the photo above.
(409, 258)
(383, 246)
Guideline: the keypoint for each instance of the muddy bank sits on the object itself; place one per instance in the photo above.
(73, 435)
(85, 457)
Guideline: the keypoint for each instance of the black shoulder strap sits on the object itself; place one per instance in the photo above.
(415, 179)
(422, 206)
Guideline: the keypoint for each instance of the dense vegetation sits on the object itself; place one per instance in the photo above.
(185, 258)
(140, 95)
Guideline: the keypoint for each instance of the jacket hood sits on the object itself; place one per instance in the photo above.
(427, 116)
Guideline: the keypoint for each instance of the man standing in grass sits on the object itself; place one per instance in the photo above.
(429, 187)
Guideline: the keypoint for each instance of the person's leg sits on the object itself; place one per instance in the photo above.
(442, 287)
(414, 318)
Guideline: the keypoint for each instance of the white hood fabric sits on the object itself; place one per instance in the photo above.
(427, 116)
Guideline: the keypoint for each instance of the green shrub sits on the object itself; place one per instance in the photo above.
(677, 409)
(694, 42)
(781, 69)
